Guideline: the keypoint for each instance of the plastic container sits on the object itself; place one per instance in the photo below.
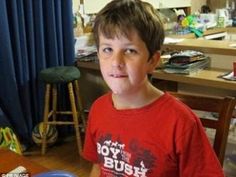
(56, 173)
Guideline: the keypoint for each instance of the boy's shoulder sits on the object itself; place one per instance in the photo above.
(104, 100)
(105, 97)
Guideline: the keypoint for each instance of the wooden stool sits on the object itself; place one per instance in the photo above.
(52, 77)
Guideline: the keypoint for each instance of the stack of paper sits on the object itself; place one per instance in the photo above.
(187, 62)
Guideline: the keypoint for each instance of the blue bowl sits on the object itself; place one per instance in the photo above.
(56, 173)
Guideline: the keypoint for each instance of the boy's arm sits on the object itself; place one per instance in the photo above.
(95, 172)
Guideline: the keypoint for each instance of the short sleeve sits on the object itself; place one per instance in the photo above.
(196, 155)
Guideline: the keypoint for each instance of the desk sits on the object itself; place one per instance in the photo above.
(207, 77)
(205, 46)
(10, 160)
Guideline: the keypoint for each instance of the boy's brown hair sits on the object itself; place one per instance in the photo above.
(122, 17)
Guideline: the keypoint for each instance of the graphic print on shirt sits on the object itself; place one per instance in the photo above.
(119, 160)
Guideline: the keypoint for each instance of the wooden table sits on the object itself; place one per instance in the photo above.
(205, 46)
(9, 160)
(206, 77)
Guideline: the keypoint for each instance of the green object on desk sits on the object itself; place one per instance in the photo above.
(197, 32)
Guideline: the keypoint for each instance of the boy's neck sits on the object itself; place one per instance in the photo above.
(137, 99)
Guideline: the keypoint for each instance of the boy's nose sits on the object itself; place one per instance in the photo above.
(118, 59)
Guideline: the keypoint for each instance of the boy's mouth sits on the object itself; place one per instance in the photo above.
(118, 75)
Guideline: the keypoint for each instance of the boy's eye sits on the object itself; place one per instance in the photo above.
(107, 50)
(130, 51)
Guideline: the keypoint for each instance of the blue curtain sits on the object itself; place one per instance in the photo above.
(34, 34)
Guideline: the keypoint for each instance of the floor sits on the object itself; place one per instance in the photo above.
(62, 156)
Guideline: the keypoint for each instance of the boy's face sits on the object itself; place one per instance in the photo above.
(124, 63)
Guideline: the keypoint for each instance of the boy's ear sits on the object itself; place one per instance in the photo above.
(153, 61)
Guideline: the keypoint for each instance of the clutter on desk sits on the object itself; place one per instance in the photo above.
(186, 57)
(86, 54)
(169, 40)
(231, 76)
(189, 24)
(85, 49)
(186, 62)
(175, 21)
(228, 76)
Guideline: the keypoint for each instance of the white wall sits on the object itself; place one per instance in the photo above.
(196, 5)
(75, 5)
(91, 7)
(222, 61)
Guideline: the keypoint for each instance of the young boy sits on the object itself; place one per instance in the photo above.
(137, 130)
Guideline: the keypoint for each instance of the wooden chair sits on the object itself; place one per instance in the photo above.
(224, 106)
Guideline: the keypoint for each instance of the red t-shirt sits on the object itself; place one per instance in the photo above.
(162, 139)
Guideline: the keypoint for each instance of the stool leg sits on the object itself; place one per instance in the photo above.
(45, 118)
(54, 102)
(80, 107)
(75, 116)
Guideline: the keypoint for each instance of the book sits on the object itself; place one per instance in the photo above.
(192, 67)
(186, 57)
